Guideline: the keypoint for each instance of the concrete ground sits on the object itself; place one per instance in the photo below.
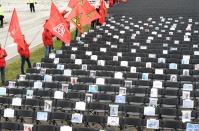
(31, 23)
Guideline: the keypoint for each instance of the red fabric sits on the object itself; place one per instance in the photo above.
(57, 25)
(3, 54)
(63, 13)
(15, 30)
(68, 25)
(83, 3)
(75, 16)
(110, 3)
(87, 18)
(24, 52)
(81, 17)
(102, 12)
(47, 38)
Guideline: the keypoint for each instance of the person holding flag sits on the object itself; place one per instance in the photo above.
(96, 22)
(103, 12)
(57, 25)
(47, 38)
(16, 34)
(25, 54)
(3, 55)
(82, 14)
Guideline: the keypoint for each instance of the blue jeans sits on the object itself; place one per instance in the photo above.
(2, 75)
(23, 60)
(47, 51)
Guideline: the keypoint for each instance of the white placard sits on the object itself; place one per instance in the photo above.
(154, 92)
(94, 57)
(59, 95)
(16, 101)
(159, 71)
(2, 91)
(100, 81)
(9, 112)
(152, 124)
(186, 116)
(133, 50)
(47, 105)
(102, 49)
(119, 54)
(187, 87)
(48, 78)
(186, 95)
(101, 62)
(27, 127)
(56, 61)
(122, 91)
(153, 102)
(84, 67)
(76, 118)
(124, 63)
(88, 53)
(78, 61)
(188, 103)
(157, 84)
(149, 111)
(52, 55)
(37, 85)
(67, 72)
(66, 128)
(148, 65)
(113, 110)
(81, 105)
(118, 75)
(60, 67)
(133, 69)
(113, 121)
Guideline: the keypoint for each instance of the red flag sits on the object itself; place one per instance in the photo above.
(75, 16)
(103, 12)
(88, 18)
(83, 3)
(110, 3)
(57, 25)
(81, 16)
(15, 30)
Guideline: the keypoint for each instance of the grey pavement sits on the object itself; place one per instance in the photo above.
(31, 23)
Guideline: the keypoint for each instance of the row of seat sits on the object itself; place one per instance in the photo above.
(134, 91)
(107, 98)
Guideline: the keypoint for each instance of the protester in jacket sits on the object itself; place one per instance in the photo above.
(48, 41)
(24, 52)
(1, 16)
(3, 55)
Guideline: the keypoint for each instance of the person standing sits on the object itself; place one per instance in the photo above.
(32, 5)
(1, 16)
(3, 55)
(48, 41)
(24, 52)
(96, 22)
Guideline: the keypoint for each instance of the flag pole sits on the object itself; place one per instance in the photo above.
(6, 40)
(35, 36)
